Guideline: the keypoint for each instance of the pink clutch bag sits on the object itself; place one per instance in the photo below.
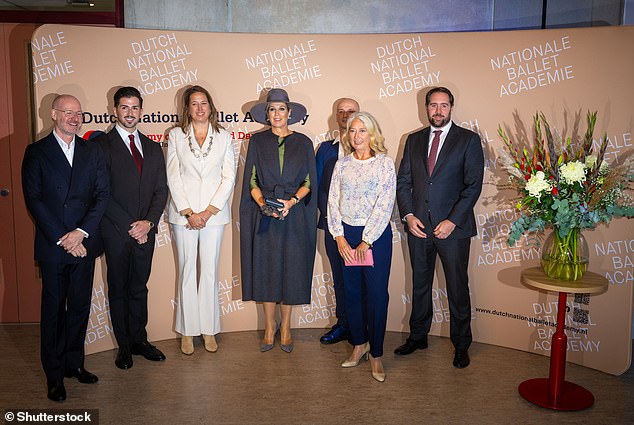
(368, 261)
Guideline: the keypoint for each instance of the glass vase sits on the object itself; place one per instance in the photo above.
(566, 257)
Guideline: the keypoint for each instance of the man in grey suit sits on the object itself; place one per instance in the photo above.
(438, 184)
(138, 185)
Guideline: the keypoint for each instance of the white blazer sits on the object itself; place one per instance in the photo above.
(196, 181)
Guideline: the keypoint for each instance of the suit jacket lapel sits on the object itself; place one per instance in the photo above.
(58, 159)
(207, 161)
(147, 157)
(80, 164)
(122, 153)
(424, 146)
(200, 163)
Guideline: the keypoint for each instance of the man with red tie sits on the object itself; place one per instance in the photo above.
(438, 184)
(138, 185)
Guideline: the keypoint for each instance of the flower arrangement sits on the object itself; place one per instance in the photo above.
(562, 183)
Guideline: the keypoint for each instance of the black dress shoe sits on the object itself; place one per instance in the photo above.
(337, 334)
(82, 375)
(410, 346)
(56, 391)
(461, 359)
(124, 359)
(148, 351)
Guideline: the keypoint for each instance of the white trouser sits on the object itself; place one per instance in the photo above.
(197, 310)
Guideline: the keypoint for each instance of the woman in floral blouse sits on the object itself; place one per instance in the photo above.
(360, 204)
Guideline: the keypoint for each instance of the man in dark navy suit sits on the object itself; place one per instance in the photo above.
(438, 184)
(66, 190)
(327, 155)
(138, 186)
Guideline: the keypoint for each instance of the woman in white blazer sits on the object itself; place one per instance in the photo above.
(201, 172)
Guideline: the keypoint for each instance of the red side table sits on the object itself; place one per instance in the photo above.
(555, 392)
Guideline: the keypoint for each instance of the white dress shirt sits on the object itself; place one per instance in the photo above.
(68, 149)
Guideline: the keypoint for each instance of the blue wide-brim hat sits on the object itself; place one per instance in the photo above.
(298, 111)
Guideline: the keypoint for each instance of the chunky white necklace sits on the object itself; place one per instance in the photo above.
(198, 154)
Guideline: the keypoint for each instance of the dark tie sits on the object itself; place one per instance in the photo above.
(434, 151)
(138, 159)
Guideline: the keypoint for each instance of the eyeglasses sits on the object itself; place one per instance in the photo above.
(68, 113)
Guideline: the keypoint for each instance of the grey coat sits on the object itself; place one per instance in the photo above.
(277, 257)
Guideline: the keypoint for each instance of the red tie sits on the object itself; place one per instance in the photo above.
(434, 151)
(138, 159)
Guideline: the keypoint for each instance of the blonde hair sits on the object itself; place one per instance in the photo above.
(377, 141)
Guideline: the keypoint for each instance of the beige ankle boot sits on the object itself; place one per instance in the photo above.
(210, 343)
(187, 345)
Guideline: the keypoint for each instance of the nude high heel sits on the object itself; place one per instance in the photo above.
(351, 362)
(378, 372)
